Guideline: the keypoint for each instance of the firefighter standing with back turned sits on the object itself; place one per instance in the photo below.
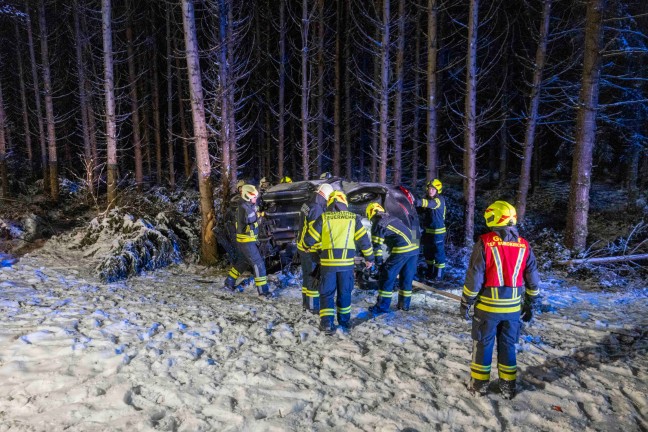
(247, 230)
(309, 213)
(403, 256)
(502, 264)
(433, 239)
(338, 230)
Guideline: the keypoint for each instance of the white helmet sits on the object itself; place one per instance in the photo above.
(324, 190)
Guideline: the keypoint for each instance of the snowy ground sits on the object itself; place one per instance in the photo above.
(168, 351)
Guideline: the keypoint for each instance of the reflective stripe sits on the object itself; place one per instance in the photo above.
(362, 231)
(424, 203)
(327, 312)
(497, 301)
(312, 293)
(313, 233)
(485, 308)
(377, 240)
(234, 273)
(505, 368)
(506, 376)
(378, 253)
(480, 376)
(366, 252)
(435, 230)
(469, 293)
(404, 249)
(533, 293)
(441, 265)
(400, 233)
(344, 310)
(498, 264)
(242, 238)
(304, 290)
(331, 262)
(482, 368)
(385, 294)
(518, 266)
(405, 293)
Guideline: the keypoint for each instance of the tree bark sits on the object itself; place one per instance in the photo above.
(133, 78)
(384, 92)
(183, 122)
(577, 214)
(109, 89)
(169, 82)
(282, 88)
(208, 253)
(417, 95)
(157, 124)
(230, 93)
(83, 100)
(23, 101)
(227, 150)
(432, 52)
(470, 139)
(532, 119)
(398, 97)
(348, 115)
(320, 88)
(304, 91)
(337, 102)
(49, 106)
(4, 180)
(37, 99)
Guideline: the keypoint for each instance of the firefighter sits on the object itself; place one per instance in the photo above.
(433, 239)
(403, 256)
(503, 283)
(309, 257)
(264, 184)
(338, 231)
(285, 179)
(239, 185)
(247, 230)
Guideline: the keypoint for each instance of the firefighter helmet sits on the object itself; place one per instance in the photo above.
(248, 192)
(500, 213)
(240, 184)
(436, 184)
(337, 196)
(264, 183)
(285, 179)
(325, 190)
(325, 175)
(374, 208)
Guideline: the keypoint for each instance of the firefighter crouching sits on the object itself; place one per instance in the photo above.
(337, 230)
(403, 256)
(433, 239)
(502, 264)
(308, 256)
(247, 230)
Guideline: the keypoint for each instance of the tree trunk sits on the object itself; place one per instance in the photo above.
(169, 82)
(532, 119)
(398, 97)
(23, 101)
(4, 180)
(227, 150)
(132, 78)
(576, 230)
(37, 99)
(320, 88)
(304, 91)
(432, 51)
(208, 254)
(156, 120)
(83, 100)
(337, 102)
(416, 97)
(384, 92)
(470, 139)
(49, 105)
(183, 121)
(230, 93)
(348, 115)
(503, 154)
(109, 89)
(282, 87)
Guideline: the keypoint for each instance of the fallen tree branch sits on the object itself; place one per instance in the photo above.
(436, 291)
(639, 257)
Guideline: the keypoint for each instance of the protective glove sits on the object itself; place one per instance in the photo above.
(464, 311)
(379, 261)
(527, 312)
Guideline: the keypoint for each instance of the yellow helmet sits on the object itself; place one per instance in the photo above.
(325, 175)
(374, 208)
(248, 192)
(500, 213)
(285, 179)
(338, 196)
(436, 184)
(240, 184)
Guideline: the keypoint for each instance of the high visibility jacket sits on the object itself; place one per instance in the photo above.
(338, 233)
(309, 213)
(247, 226)
(502, 268)
(434, 219)
(391, 232)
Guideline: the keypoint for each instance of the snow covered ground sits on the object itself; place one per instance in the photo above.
(169, 351)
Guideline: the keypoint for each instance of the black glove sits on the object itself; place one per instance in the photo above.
(527, 312)
(464, 311)
(378, 261)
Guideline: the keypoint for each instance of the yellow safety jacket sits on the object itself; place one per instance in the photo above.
(247, 226)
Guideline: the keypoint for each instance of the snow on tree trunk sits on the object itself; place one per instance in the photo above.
(577, 213)
(49, 105)
(109, 89)
(134, 100)
(470, 139)
(532, 118)
(398, 97)
(432, 51)
(208, 241)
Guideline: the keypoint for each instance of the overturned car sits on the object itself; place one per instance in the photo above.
(279, 228)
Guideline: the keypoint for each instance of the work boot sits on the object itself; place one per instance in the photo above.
(507, 388)
(437, 273)
(402, 304)
(375, 310)
(329, 330)
(229, 284)
(478, 387)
